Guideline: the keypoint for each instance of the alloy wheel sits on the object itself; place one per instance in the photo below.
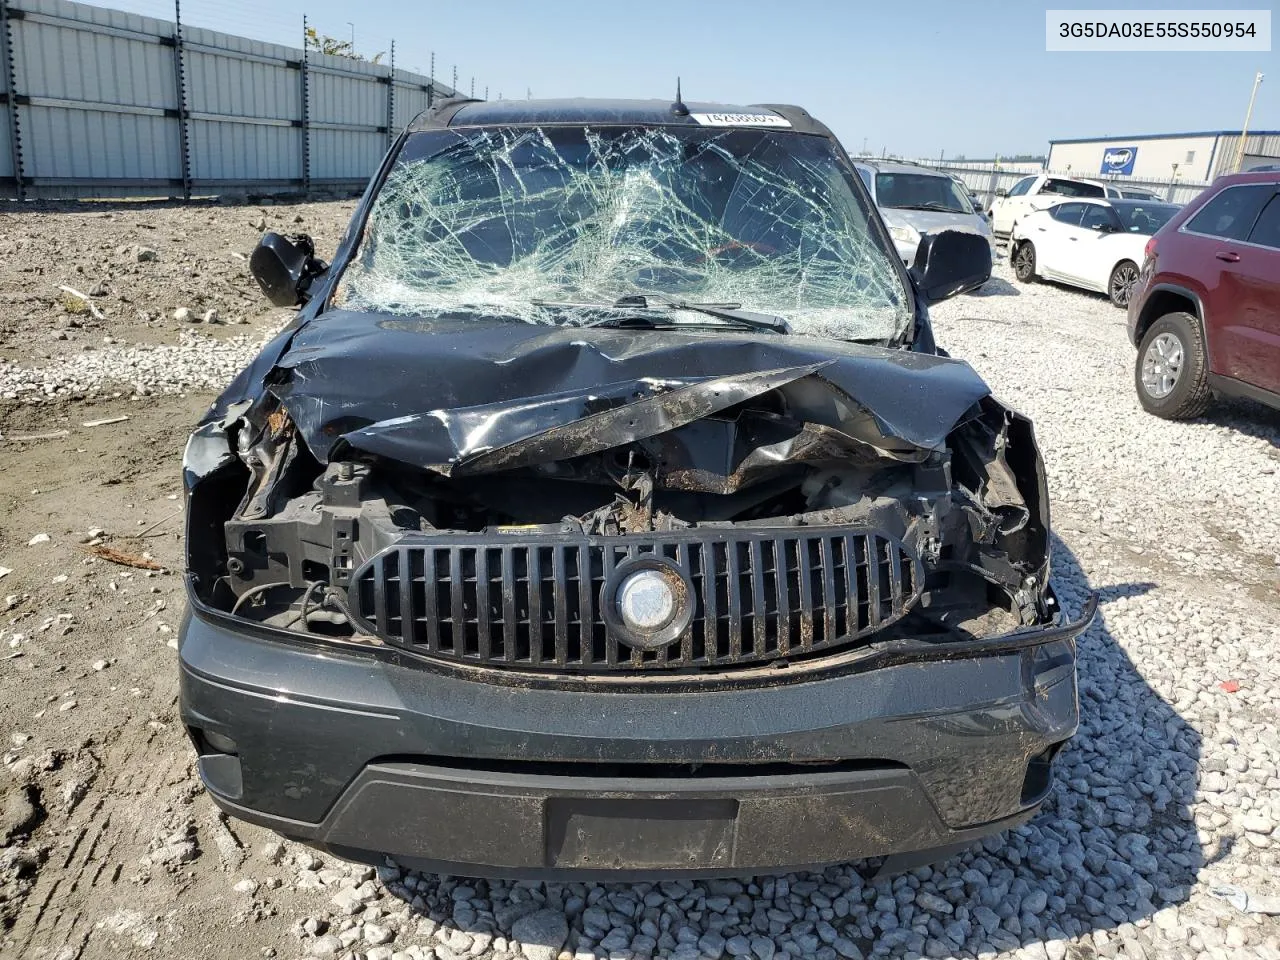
(1122, 282)
(1023, 262)
(1162, 365)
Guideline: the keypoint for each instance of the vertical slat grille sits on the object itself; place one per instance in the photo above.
(758, 596)
(511, 605)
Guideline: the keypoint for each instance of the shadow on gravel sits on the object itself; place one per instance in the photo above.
(1246, 416)
(996, 287)
(1113, 844)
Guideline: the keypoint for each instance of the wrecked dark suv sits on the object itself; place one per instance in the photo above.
(608, 509)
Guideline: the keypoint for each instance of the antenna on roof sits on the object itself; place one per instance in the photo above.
(678, 108)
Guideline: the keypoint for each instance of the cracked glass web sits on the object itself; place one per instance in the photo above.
(489, 220)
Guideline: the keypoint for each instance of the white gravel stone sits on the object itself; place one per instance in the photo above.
(326, 946)
(347, 902)
(541, 934)
(196, 362)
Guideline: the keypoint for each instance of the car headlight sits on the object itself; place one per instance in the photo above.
(905, 234)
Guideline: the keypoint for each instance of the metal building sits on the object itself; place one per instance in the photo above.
(1163, 156)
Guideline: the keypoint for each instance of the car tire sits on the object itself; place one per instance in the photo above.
(1172, 369)
(1120, 283)
(1023, 258)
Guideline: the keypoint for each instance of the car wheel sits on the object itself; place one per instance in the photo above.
(1024, 261)
(1120, 285)
(1171, 372)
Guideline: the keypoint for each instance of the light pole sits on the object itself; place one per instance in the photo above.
(353, 36)
(1244, 133)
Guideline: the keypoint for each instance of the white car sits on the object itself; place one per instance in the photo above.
(1095, 244)
(1036, 193)
(914, 200)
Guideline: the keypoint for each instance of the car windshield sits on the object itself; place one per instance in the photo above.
(921, 191)
(486, 221)
(1145, 218)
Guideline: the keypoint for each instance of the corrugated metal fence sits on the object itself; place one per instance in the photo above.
(986, 180)
(98, 102)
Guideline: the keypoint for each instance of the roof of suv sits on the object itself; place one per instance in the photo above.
(1249, 176)
(1115, 202)
(900, 166)
(465, 112)
(1071, 179)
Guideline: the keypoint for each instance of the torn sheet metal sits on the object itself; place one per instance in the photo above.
(496, 437)
(441, 392)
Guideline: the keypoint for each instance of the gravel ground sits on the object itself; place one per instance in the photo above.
(1159, 839)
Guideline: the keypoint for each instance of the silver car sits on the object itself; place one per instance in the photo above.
(915, 200)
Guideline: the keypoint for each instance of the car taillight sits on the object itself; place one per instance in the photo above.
(1149, 250)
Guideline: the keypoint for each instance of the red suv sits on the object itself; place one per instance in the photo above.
(1205, 312)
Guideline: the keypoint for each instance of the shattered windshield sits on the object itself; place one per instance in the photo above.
(486, 221)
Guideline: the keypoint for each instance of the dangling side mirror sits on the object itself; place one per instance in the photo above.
(950, 262)
(284, 268)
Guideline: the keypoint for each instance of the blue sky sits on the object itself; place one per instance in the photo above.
(914, 77)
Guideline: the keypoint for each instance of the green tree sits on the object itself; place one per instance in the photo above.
(334, 47)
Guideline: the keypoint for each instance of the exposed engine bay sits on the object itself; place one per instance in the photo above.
(291, 507)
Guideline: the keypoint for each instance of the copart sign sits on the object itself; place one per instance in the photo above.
(1118, 159)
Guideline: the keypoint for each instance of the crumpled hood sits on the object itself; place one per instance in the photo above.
(475, 396)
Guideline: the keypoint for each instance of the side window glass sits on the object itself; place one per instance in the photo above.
(1231, 214)
(1068, 213)
(1072, 188)
(1097, 217)
(1266, 231)
(1021, 187)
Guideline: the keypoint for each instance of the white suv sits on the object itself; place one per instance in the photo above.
(1035, 193)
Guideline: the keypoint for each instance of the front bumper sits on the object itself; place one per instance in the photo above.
(370, 755)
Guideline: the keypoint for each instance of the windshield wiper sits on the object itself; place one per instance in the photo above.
(731, 312)
(931, 205)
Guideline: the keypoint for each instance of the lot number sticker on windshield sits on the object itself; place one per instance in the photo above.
(741, 120)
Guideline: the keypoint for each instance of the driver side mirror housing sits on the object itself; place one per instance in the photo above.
(284, 268)
(1001, 192)
(950, 262)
